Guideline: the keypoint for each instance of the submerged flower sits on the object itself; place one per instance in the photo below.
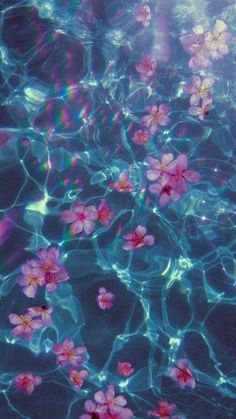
(81, 218)
(199, 88)
(143, 14)
(123, 184)
(157, 116)
(180, 174)
(108, 401)
(141, 137)
(182, 374)
(91, 409)
(32, 278)
(202, 110)
(125, 369)
(137, 239)
(164, 410)
(218, 40)
(42, 312)
(104, 214)
(67, 353)
(27, 381)
(54, 272)
(105, 299)
(25, 325)
(77, 377)
(160, 168)
(165, 190)
(146, 68)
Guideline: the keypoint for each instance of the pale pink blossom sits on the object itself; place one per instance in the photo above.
(108, 401)
(123, 184)
(199, 89)
(42, 312)
(180, 174)
(160, 168)
(202, 110)
(54, 272)
(105, 299)
(138, 239)
(217, 41)
(143, 14)
(25, 325)
(146, 68)
(165, 190)
(157, 116)
(164, 410)
(67, 353)
(32, 278)
(104, 213)
(125, 369)
(91, 409)
(77, 377)
(123, 414)
(81, 218)
(182, 374)
(27, 381)
(141, 137)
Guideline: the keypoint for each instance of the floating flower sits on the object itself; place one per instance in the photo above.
(27, 381)
(179, 174)
(182, 374)
(125, 369)
(108, 401)
(217, 41)
(32, 278)
(25, 325)
(164, 410)
(91, 409)
(143, 14)
(141, 137)
(54, 272)
(104, 214)
(160, 168)
(202, 110)
(77, 377)
(146, 68)
(42, 312)
(137, 239)
(105, 299)
(166, 192)
(199, 88)
(67, 353)
(157, 116)
(81, 218)
(123, 184)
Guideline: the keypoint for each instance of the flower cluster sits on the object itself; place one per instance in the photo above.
(170, 177)
(32, 319)
(201, 98)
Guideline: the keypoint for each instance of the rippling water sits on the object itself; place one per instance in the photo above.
(71, 99)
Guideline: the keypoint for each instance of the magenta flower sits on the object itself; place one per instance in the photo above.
(165, 190)
(199, 88)
(105, 299)
(32, 278)
(27, 381)
(25, 325)
(91, 409)
(160, 168)
(164, 410)
(123, 184)
(182, 374)
(77, 377)
(42, 312)
(67, 353)
(143, 14)
(137, 239)
(54, 272)
(141, 137)
(157, 116)
(125, 369)
(104, 214)
(202, 110)
(109, 402)
(146, 68)
(81, 218)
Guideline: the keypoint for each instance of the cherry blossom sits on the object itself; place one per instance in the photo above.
(165, 190)
(108, 401)
(77, 377)
(141, 137)
(104, 214)
(27, 381)
(160, 168)
(182, 374)
(125, 369)
(180, 174)
(81, 218)
(218, 40)
(199, 88)
(157, 116)
(146, 68)
(137, 239)
(67, 353)
(91, 409)
(25, 325)
(123, 184)
(105, 299)
(32, 278)
(54, 272)
(202, 110)
(42, 312)
(164, 410)
(143, 14)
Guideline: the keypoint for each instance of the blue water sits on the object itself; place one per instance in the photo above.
(71, 100)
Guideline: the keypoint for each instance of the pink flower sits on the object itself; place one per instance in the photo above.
(54, 272)
(141, 137)
(157, 116)
(143, 14)
(165, 190)
(199, 88)
(180, 174)
(109, 402)
(27, 381)
(81, 218)
(146, 68)
(182, 374)
(25, 325)
(105, 299)
(122, 184)
(91, 409)
(138, 239)
(202, 110)
(217, 41)
(42, 312)
(32, 278)
(124, 414)
(77, 377)
(67, 353)
(160, 168)
(104, 214)
(125, 369)
(195, 44)
(164, 410)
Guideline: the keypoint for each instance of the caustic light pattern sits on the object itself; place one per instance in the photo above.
(117, 200)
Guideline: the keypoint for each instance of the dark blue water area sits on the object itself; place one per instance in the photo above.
(71, 100)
